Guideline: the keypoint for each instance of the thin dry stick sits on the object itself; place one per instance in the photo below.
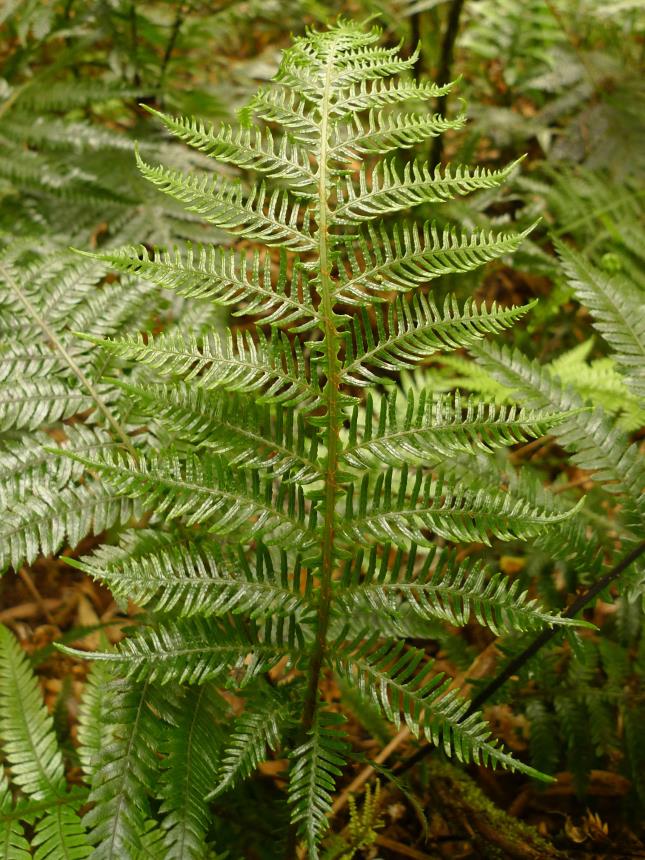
(23, 573)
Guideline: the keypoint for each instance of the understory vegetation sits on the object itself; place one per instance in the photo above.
(322, 395)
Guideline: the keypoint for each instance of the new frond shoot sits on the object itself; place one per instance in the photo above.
(284, 488)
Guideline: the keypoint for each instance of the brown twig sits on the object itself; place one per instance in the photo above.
(24, 574)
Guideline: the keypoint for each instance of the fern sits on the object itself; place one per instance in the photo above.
(31, 751)
(259, 464)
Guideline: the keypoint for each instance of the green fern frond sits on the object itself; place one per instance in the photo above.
(258, 729)
(26, 463)
(92, 715)
(380, 133)
(396, 680)
(52, 517)
(27, 405)
(420, 505)
(315, 766)
(206, 491)
(224, 276)
(126, 769)
(13, 844)
(274, 218)
(26, 729)
(409, 332)
(391, 190)
(60, 834)
(31, 750)
(189, 770)
(246, 148)
(249, 435)
(195, 650)
(437, 586)
(434, 426)
(174, 574)
(382, 93)
(413, 255)
(273, 367)
(617, 309)
(595, 444)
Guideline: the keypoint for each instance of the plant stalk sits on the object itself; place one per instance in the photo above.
(332, 431)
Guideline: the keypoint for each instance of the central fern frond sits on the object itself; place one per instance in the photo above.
(272, 469)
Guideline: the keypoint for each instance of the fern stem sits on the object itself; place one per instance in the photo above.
(60, 348)
(331, 391)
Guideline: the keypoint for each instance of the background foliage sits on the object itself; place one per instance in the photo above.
(560, 81)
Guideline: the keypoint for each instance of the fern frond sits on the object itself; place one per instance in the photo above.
(92, 715)
(226, 277)
(421, 505)
(274, 218)
(60, 834)
(26, 728)
(189, 770)
(617, 309)
(184, 577)
(413, 255)
(13, 844)
(258, 729)
(126, 769)
(248, 434)
(285, 107)
(26, 463)
(378, 94)
(195, 650)
(389, 190)
(247, 148)
(440, 587)
(50, 517)
(595, 444)
(434, 426)
(397, 680)
(409, 332)
(380, 133)
(272, 367)
(315, 766)
(208, 492)
(28, 404)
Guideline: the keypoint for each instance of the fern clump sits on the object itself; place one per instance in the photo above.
(293, 507)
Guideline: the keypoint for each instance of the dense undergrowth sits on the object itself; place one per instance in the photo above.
(304, 420)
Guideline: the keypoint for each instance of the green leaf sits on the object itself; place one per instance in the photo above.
(181, 576)
(420, 505)
(435, 426)
(617, 308)
(274, 218)
(378, 261)
(397, 680)
(312, 779)
(195, 650)
(407, 333)
(272, 367)
(436, 585)
(188, 773)
(390, 189)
